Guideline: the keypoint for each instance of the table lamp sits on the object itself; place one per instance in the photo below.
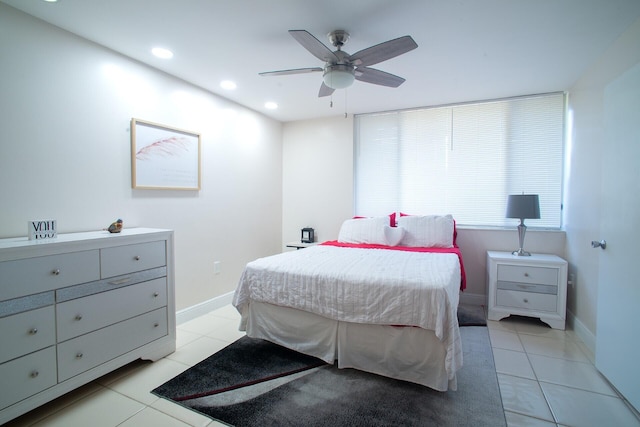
(523, 206)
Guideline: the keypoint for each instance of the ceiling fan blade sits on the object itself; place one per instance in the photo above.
(294, 71)
(313, 45)
(377, 77)
(383, 51)
(325, 90)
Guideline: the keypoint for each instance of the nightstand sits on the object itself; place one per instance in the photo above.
(299, 245)
(534, 286)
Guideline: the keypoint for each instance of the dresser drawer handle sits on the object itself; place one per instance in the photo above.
(526, 301)
(79, 355)
(56, 272)
(34, 374)
(120, 281)
(33, 331)
(526, 274)
(78, 317)
(156, 294)
(137, 257)
(156, 324)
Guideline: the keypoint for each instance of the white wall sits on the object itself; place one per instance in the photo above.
(317, 186)
(65, 107)
(318, 192)
(583, 193)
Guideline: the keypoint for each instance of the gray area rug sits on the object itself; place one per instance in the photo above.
(471, 315)
(256, 383)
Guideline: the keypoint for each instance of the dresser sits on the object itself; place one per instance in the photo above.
(78, 306)
(534, 286)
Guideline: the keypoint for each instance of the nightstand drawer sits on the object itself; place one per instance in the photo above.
(526, 274)
(526, 300)
(528, 287)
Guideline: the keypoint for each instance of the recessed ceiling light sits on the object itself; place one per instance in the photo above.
(161, 52)
(270, 105)
(228, 84)
(51, 1)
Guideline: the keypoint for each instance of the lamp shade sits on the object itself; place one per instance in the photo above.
(338, 76)
(523, 206)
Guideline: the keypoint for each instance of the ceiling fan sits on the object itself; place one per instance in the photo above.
(341, 69)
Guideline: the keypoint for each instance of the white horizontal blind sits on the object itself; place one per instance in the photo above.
(462, 159)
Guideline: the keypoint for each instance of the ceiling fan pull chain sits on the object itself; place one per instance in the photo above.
(345, 103)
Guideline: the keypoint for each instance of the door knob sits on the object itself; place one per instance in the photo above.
(599, 244)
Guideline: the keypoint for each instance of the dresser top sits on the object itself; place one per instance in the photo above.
(17, 247)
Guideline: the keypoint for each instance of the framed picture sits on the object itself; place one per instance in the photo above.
(164, 158)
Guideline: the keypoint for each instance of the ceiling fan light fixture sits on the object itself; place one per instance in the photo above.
(338, 76)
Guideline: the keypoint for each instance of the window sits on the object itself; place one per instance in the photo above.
(462, 159)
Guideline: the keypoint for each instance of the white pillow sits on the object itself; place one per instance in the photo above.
(393, 235)
(427, 231)
(364, 230)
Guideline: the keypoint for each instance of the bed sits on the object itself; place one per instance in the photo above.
(381, 298)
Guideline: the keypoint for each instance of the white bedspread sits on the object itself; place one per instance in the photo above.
(372, 286)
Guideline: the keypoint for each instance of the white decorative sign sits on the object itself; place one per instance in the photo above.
(42, 229)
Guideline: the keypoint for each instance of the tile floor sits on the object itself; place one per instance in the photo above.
(546, 378)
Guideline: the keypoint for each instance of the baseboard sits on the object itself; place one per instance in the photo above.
(586, 336)
(204, 307)
(473, 299)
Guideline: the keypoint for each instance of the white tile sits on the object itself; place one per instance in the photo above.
(505, 340)
(519, 420)
(55, 405)
(104, 408)
(553, 348)
(227, 330)
(139, 384)
(149, 417)
(570, 373)
(523, 396)
(196, 351)
(185, 337)
(582, 408)
(228, 312)
(181, 413)
(501, 325)
(200, 325)
(542, 330)
(512, 363)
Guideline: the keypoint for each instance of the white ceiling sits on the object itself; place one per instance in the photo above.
(467, 49)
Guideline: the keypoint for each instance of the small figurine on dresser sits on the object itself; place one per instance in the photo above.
(115, 227)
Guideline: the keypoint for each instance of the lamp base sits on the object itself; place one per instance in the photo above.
(521, 252)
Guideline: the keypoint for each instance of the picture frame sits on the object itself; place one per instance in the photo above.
(163, 157)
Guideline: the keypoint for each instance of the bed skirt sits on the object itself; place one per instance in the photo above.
(405, 353)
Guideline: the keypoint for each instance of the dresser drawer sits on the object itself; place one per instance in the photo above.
(88, 351)
(34, 275)
(27, 375)
(526, 300)
(26, 332)
(526, 274)
(83, 315)
(125, 259)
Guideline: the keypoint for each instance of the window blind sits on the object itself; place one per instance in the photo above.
(462, 159)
